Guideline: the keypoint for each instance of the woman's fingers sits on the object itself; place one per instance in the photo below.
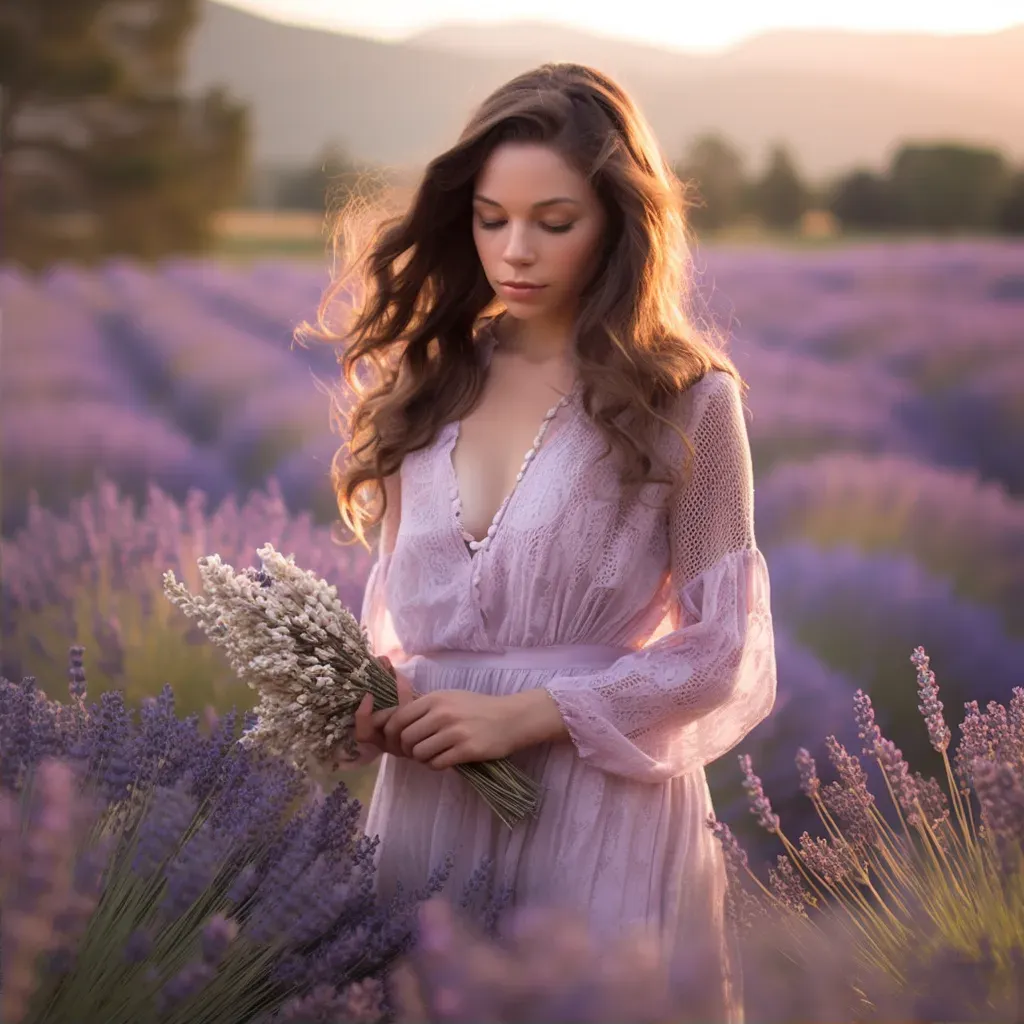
(381, 718)
(369, 724)
(364, 719)
(405, 691)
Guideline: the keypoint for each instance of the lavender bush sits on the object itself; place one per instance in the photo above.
(189, 366)
(94, 579)
(951, 523)
(151, 874)
(933, 907)
(812, 700)
(916, 918)
(887, 349)
(857, 611)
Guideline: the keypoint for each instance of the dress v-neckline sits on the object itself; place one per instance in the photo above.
(469, 544)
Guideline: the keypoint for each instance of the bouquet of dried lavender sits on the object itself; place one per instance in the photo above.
(288, 637)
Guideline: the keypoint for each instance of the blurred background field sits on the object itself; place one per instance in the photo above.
(155, 407)
(886, 406)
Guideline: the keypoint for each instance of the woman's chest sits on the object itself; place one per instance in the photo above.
(495, 444)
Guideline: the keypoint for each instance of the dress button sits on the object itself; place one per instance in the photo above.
(491, 529)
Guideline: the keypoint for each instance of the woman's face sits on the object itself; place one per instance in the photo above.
(538, 221)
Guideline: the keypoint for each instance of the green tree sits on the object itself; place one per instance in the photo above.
(328, 180)
(862, 199)
(1011, 210)
(101, 153)
(948, 186)
(779, 197)
(714, 169)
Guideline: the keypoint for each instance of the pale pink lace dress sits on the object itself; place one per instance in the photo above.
(660, 656)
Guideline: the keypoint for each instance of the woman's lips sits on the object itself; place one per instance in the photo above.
(520, 291)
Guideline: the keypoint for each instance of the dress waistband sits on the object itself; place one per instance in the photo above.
(555, 656)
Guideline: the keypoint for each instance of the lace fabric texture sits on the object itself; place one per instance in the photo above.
(569, 565)
(621, 834)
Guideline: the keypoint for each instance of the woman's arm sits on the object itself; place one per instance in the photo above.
(692, 695)
(533, 718)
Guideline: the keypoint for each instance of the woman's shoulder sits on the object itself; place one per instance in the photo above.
(713, 388)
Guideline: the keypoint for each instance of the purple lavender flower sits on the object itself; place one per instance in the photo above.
(889, 756)
(810, 784)
(184, 985)
(834, 862)
(76, 672)
(932, 800)
(1001, 795)
(788, 887)
(192, 870)
(760, 804)
(974, 745)
(171, 813)
(210, 822)
(930, 706)
(743, 910)
(54, 564)
(218, 934)
(849, 798)
(898, 773)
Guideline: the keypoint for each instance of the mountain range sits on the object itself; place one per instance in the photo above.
(837, 99)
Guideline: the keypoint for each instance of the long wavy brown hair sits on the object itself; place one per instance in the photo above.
(637, 340)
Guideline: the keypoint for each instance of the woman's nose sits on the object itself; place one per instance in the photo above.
(518, 248)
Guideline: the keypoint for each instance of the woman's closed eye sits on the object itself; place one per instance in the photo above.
(493, 225)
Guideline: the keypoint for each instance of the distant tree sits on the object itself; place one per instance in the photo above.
(325, 182)
(101, 152)
(862, 199)
(948, 186)
(779, 197)
(1010, 218)
(712, 170)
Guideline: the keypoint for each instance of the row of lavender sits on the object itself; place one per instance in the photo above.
(150, 873)
(880, 532)
(874, 544)
(847, 599)
(188, 376)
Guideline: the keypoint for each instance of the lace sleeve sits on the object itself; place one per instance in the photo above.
(691, 695)
(374, 616)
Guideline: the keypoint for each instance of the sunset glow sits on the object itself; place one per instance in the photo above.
(697, 27)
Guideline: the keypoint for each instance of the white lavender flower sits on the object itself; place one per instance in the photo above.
(289, 638)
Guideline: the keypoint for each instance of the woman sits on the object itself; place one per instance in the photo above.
(607, 628)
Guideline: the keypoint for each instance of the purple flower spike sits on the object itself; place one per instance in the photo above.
(832, 862)
(898, 773)
(759, 803)
(76, 672)
(867, 730)
(930, 706)
(1001, 795)
(810, 784)
(218, 934)
(849, 798)
(788, 887)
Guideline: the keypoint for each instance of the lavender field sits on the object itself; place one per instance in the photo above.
(887, 400)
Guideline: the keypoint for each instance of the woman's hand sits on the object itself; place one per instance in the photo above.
(370, 724)
(450, 727)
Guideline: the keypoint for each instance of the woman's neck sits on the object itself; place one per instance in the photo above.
(536, 343)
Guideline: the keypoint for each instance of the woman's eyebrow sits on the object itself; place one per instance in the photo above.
(543, 202)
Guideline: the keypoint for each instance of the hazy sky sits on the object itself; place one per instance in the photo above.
(703, 26)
